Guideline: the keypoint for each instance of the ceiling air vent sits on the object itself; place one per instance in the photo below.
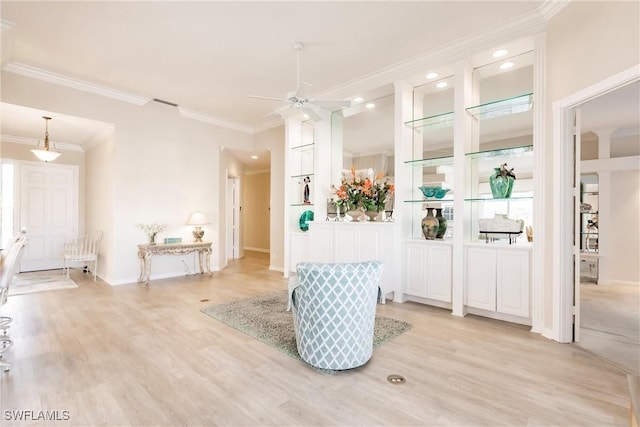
(162, 101)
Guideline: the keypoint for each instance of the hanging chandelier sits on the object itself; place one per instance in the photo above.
(46, 154)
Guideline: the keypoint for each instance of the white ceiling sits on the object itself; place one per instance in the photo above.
(207, 56)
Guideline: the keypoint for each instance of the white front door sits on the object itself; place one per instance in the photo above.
(48, 212)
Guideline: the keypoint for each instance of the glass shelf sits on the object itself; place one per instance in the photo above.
(302, 204)
(589, 213)
(445, 199)
(480, 199)
(502, 152)
(590, 192)
(503, 107)
(302, 175)
(436, 161)
(304, 147)
(438, 120)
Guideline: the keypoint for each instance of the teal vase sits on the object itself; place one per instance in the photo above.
(442, 224)
(501, 185)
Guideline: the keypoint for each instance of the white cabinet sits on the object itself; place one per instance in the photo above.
(354, 242)
(427, 268)
(497, 280)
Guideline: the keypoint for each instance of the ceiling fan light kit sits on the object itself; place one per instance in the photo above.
(298, 102)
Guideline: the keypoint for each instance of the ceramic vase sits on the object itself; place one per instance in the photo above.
(152, 238)
(442, 224)
(355, 215)
(501, 185)
(372, 215)
(430, 225)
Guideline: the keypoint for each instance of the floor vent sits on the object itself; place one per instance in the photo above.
(396, 379)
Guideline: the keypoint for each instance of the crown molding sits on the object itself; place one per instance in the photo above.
(527, 25)
(549, 8)
(59, 79)
(195, 115)
(34, 142)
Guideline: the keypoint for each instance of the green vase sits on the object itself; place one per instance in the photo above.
(501, 185)
(442, 224)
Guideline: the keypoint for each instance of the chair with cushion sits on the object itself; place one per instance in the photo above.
(10, 264)
(83, 250)
(334, 307)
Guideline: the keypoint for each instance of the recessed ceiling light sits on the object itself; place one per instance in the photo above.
(441, 85)
(506, 65)
(500, 53)
(432, 76)
(305, 117)
(370, 105)
(358, 99)
(254, 157)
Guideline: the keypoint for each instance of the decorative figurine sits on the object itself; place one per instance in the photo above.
(307, 180)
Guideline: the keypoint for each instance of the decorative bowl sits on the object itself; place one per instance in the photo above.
(433, 191)
(429, 191)
(441, 192)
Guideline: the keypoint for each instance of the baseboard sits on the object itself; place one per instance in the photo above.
(623, 282)
(275, 268)
(265, 251)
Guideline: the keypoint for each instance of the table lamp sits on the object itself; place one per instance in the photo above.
(198, 219)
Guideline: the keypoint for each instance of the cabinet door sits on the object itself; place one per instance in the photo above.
(512, 282)
(321, 243)
(345, 244)
(415, 257)
(300, 249)
(439, 273)
(480, 278)
(369, 242)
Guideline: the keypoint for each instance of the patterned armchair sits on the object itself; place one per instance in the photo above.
(334, 307)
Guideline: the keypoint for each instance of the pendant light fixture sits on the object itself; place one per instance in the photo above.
(46, 155)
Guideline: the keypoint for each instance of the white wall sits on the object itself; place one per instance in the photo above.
(625, 227)
(274, 140)
(163, 167)
(100, 199)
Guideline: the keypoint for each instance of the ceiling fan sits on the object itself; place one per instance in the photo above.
(298, 101)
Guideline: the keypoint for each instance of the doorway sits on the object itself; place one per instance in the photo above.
(233, 218)
(44, 203)
(566, 269)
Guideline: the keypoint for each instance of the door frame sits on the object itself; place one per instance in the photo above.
(17, 188)
(232, 244)
(563, 198)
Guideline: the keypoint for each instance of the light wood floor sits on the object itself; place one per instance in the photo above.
(146, 356)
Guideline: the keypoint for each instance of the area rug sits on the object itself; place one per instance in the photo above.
(265, 318)
(29, 284)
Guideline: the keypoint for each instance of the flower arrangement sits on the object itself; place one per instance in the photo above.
(152, 230)
(359, 189)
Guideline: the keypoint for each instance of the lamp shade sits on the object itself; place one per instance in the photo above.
(46, 155)
(197, 218)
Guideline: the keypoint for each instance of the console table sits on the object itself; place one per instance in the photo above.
(146, 251)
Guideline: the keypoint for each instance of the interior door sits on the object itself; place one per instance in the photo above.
(577, 236)
(48, 212)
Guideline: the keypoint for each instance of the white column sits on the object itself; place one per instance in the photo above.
(462, 143)
(292, 138)
(403, 146)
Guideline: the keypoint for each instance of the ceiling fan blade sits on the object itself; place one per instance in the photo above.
(331, 105)
(267, 98)
(303, 91)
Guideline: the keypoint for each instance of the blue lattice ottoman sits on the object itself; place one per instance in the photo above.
(334, 307)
